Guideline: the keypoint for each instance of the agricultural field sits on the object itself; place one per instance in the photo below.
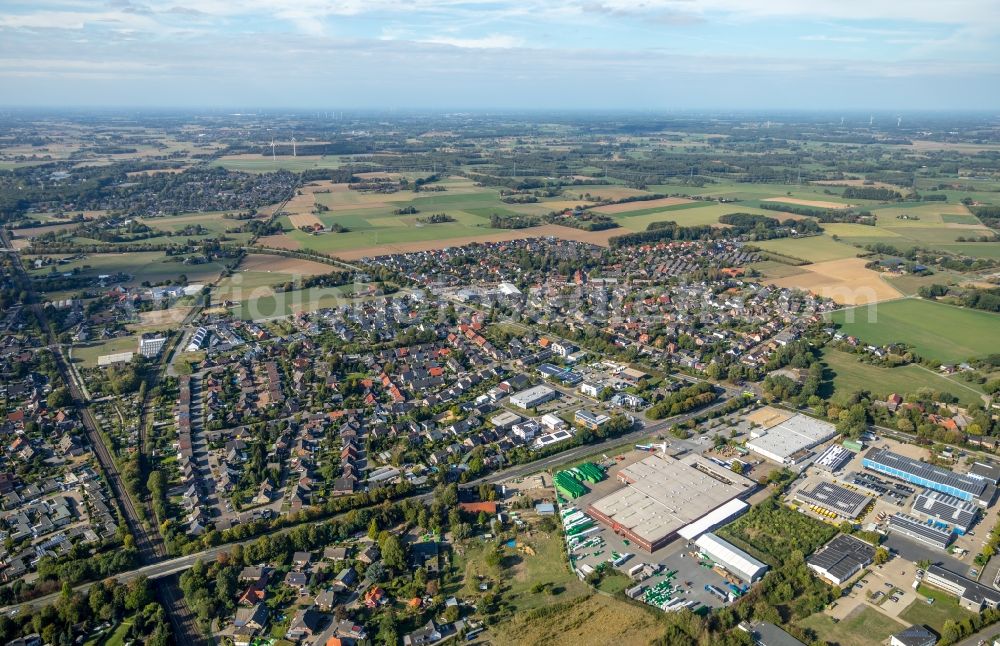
(257, 273)
(846, 281)
(263, 303)
(594, 619)
(816, 204)
(819, 248)
(264, 164)
(944, 333)
(845, 374)
(865, 626)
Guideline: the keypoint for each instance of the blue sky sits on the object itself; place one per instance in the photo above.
(502, 54)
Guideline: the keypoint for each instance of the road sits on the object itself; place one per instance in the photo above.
(149, 545)
(167, 568)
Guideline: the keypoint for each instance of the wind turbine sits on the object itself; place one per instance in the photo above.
(842, 121)
(899, 121)
(272, 149)
(871, 119)
(294, 153)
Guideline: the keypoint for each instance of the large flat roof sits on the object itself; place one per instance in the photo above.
(831, 496)
(664, 494)
(944, 477)
(787, 438)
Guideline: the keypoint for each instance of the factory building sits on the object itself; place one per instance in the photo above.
(947, 510)
(789, 441)
(663, 494)
(731, 557)
(962, 486)
(841, 558)
(919, 531)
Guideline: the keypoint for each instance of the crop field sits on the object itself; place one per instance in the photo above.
(819, 248)
(213, 221)
(937, 331)
(845, 375)
(152, 266)
(264, 164)
(819, 204)
(257, 273)
(640, 205)
(846, 281)
(743, 191)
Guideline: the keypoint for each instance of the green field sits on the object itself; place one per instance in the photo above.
(86, 354)
(142, 266)
(940, 332)
(115, 637)
(693, 214)
(264, 164)
(848, 375)
(933, 616)
(864, 626)
(814, 248)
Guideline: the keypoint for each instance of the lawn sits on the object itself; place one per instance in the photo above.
(87, 353)
(933, 616)
(850, 375)
(937, 331)
(865, 626)
(814, 248)
(115, 637)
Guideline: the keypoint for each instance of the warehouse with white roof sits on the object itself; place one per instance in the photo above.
(664, 494)
(731, 557)
(786, 441)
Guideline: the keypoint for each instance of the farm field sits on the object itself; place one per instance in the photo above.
(688, 214)
(640, 205)
(865, 626)
(846, 281)
(937, 331)
(257, 273)
(845, 374)
(813, 249)
(819, 204)
(349, 246)
(152, 266)
(741, 191)
(264, 164)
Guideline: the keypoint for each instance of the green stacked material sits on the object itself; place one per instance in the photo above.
(590, 472)
(568, 485)
(582, 527)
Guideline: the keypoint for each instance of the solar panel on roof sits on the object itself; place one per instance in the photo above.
(929, 472)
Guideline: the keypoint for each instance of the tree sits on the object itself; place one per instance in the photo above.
(58, 398)
(881, 555)
(393, 553)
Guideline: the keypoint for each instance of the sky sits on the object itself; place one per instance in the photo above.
(502, 54)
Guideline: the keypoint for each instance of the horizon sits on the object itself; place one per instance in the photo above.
(665, 55)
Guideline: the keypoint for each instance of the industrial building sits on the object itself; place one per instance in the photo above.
(971, 595)
(966, 487)
(840, 501)
(664, 494)
(535, 396)
(948, 510)
(709, 522)
(841, 558)
(788, 441)
(919, 531)
(735, 560)
(834, 458)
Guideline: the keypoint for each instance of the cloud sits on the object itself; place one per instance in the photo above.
(824, 38)
(493, 41)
